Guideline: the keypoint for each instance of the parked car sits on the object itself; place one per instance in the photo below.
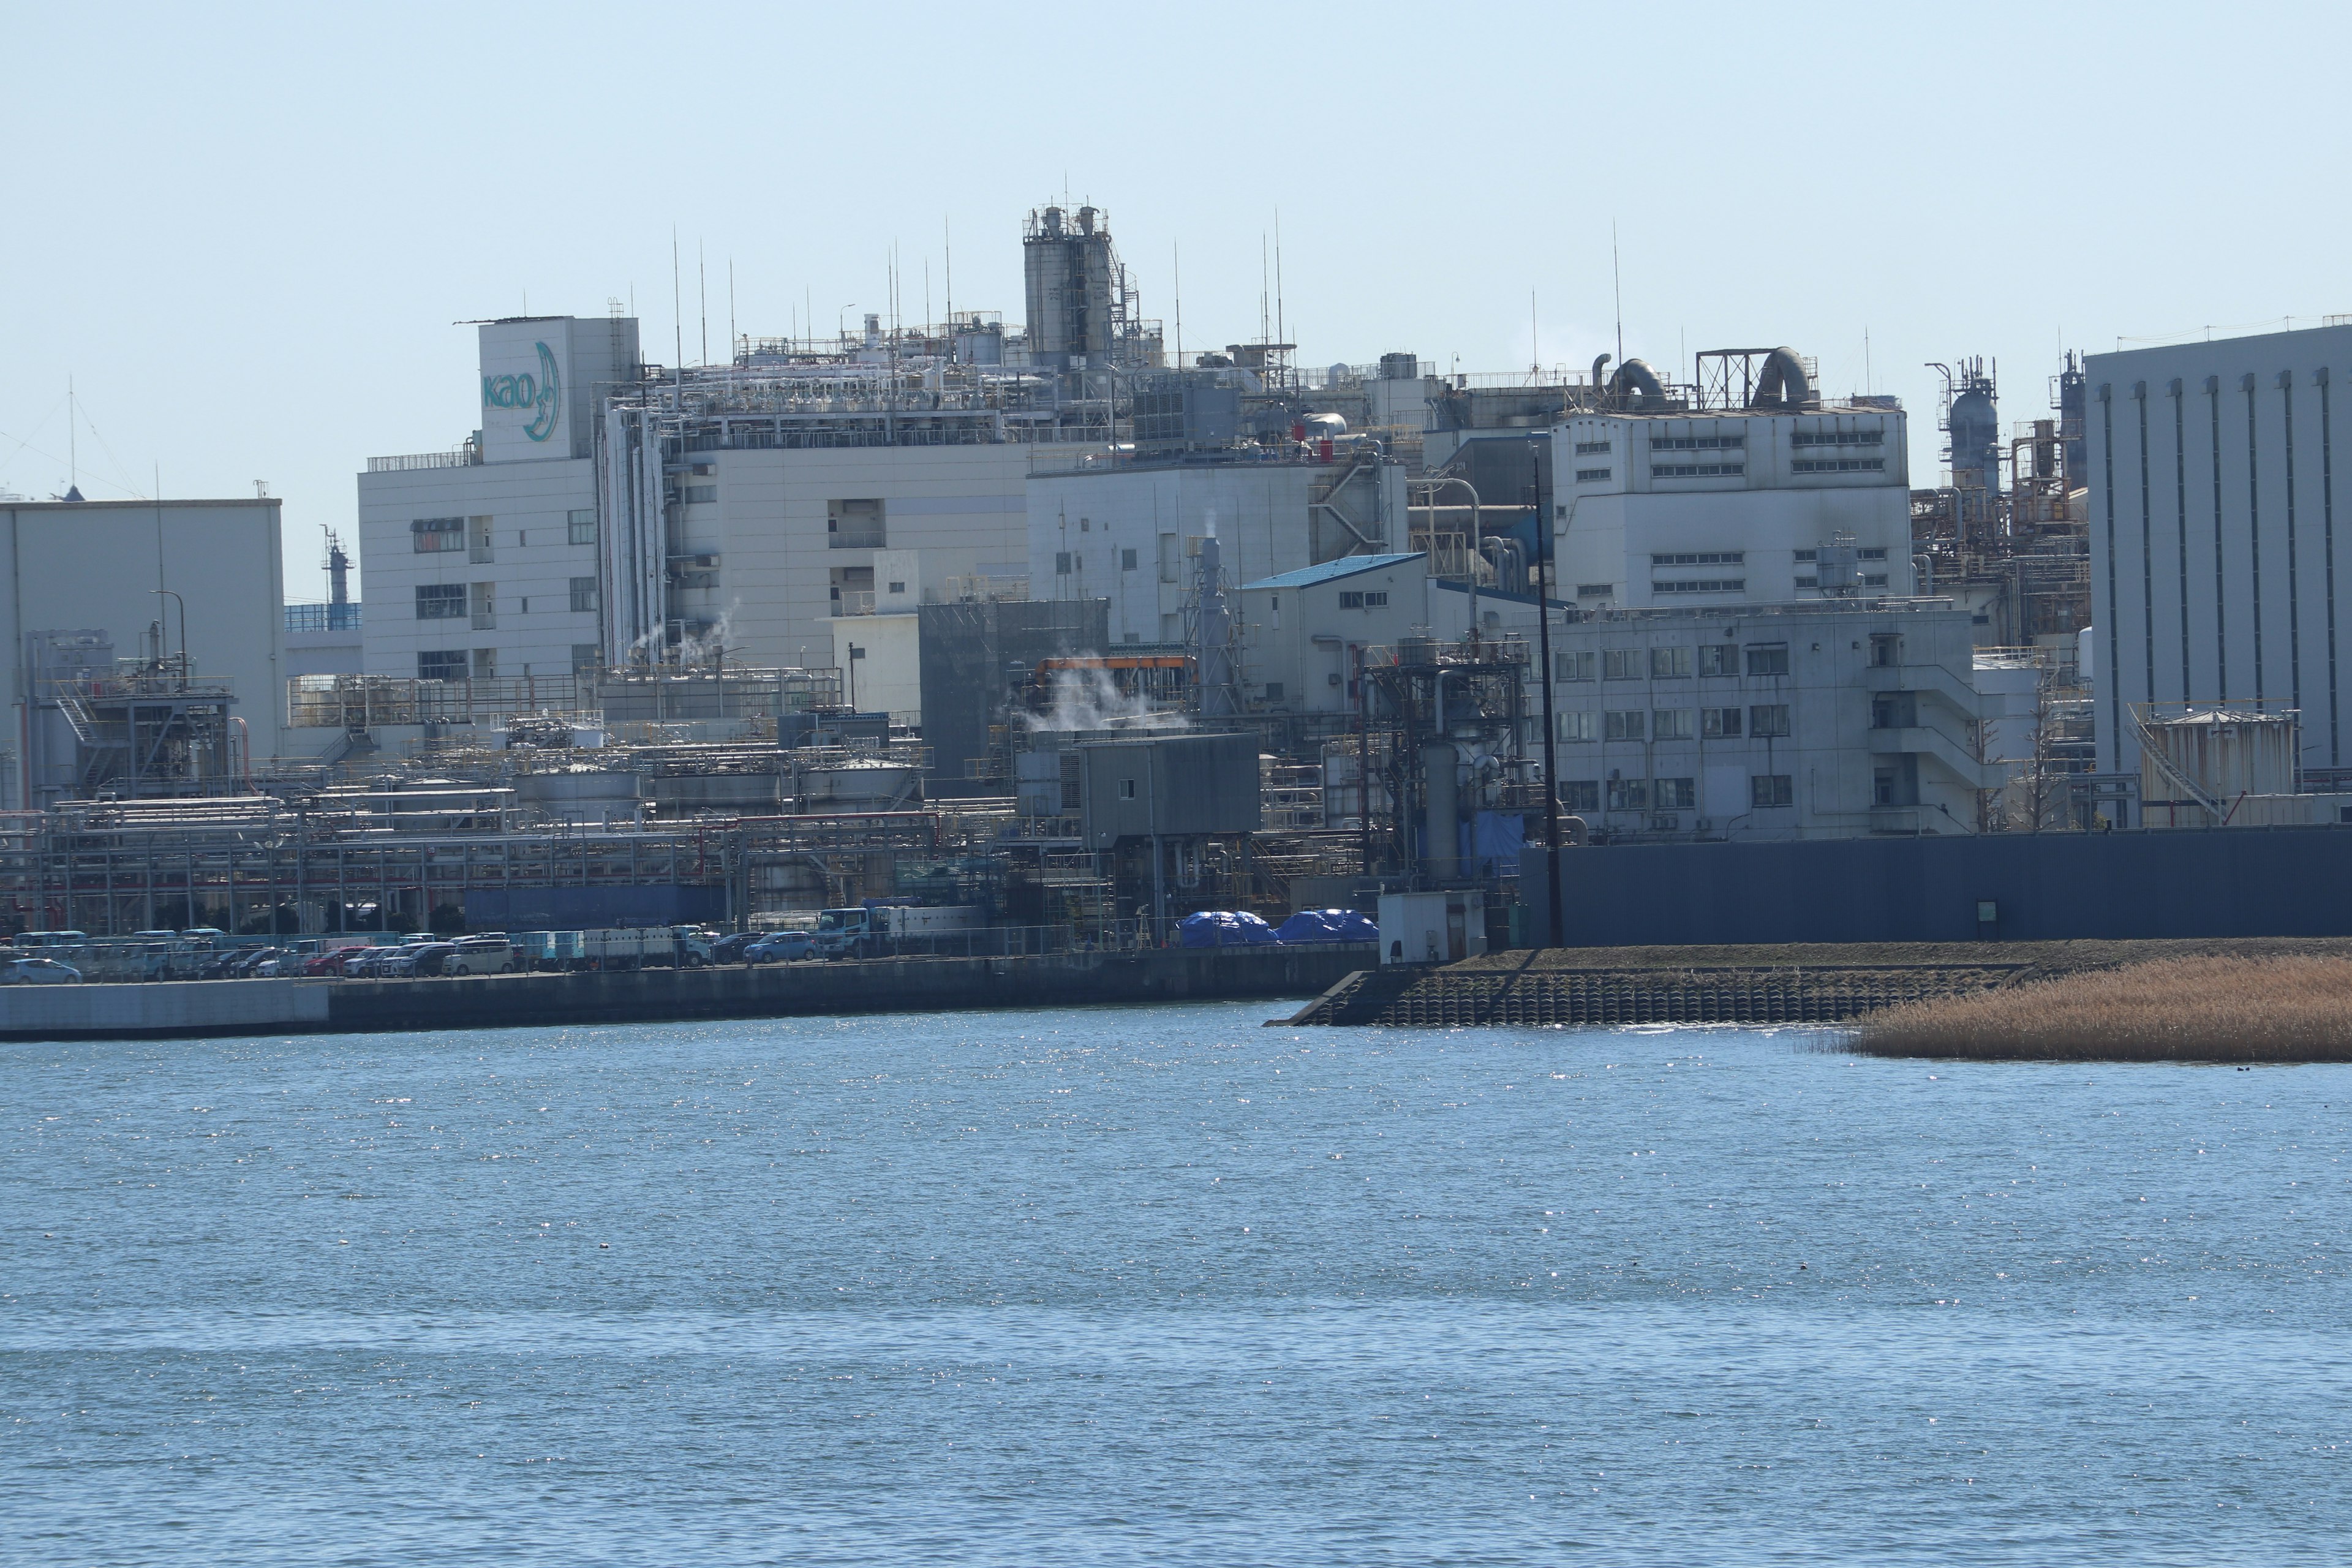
(332, 961)
(244, 965)
(780, 947)
(730, 949)
(432, 958)
(38, 972)
(488, 955)
(368, 962)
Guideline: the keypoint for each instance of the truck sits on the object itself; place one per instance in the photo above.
(875, 929)
(646, 947)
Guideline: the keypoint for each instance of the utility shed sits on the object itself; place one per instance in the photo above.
(1180, 785)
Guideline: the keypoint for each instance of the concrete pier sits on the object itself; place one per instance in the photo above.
(733, 991)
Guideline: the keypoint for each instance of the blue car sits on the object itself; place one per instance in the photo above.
(780, 947)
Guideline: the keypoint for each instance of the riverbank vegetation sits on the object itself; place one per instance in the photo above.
(2190, 1009)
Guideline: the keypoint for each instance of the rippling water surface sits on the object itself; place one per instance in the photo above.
(1162, 1286)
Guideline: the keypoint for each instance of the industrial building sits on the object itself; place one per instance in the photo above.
(2212, 539)
(145, 650)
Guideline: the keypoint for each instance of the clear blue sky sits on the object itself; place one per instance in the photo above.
(245, 233)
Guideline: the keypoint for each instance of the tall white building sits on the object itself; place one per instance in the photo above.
(2214, 561)
(482, 562)
(1725, 506)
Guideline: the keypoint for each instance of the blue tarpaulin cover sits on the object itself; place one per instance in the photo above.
(1223, 927)
(1329, 925)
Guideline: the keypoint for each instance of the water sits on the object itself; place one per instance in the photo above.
(1162, 1286)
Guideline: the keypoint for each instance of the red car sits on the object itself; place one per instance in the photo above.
(332, 962)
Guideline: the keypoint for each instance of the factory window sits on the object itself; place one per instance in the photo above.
(580, 526)
(1768, 720)
(1621, 664)
(482, 599)
(447, 664)
(1702, 586)
(583, 594)
(429, 534)
(479, 530)
(1061, 564)
(440, 601)
(1625, 724)
(1671, 725)
(1719, 724)
(1694, 443)
(1595, 590)
(1878, 554)
(706, 469)
(1274, 691)
(701, 495)
(1629, 794)
(1376, 600)
(1809, 582)
(898, 587)
(1127, 560)
(586, 656)
(1127, 789)
(1366, 601)
(1579, 794)
(1592, 475)
(486, 664)
(1808, 555)
(1838, 466)
(1579, 727)
(1086, 525)
(1698, 471)
(1706, 558)
(1592, 448)
(1837, 438)
(1771, 789)
(1768, 658)
(1886, 648)
(1669, 663)
(855, 525)
(1674, 795)
(1717, 659)
(1567, 666)
(1874, 580)
(1168, 559)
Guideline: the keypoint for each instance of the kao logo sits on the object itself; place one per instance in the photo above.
(539, 391)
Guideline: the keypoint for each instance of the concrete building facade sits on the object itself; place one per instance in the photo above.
(2214, 556)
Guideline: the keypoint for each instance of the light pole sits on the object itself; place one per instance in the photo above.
(1543, 653)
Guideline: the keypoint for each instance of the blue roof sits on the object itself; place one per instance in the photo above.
(1346, 566)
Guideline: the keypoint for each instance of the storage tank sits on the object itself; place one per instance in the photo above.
(1975, 427)
(2224, 754)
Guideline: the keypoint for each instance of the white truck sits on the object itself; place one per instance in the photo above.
(881, 928)
(646, 947)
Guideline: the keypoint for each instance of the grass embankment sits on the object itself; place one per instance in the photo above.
(2190, 1009)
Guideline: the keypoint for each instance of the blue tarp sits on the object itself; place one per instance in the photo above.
(1223, 927)
(1329, 925)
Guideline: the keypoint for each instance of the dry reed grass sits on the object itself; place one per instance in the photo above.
(2182, 1009)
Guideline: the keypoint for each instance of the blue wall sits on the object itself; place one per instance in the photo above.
(588, 908)
(2256, 881)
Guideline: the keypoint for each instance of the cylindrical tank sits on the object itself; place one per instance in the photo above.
(1441, 834)
(1975, 437)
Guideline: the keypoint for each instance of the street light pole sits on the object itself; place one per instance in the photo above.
(1543, 653)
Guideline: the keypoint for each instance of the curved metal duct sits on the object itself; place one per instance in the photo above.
(1599, 361)
(1634, 379)
(1783, 383)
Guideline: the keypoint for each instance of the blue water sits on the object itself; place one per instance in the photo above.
(1162, 1286)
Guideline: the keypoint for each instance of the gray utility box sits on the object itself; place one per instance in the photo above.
(1176, 785)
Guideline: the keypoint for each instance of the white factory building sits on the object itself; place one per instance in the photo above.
(2214, 558)
(1731, 506)
(481, 561)
(1791, 721)
(93, 586)
(1129, 532)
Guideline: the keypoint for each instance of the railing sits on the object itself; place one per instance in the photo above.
(321, 617)
(854, 602)
(466, 457)
(847, 538)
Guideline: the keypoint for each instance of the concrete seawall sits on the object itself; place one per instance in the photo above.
(877, 985)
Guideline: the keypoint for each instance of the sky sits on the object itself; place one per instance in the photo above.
(244, 235)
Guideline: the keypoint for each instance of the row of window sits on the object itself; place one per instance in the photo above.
(482, 663)
(1869, 579)
(1764, 790)
(1838, 439)
(1370, 599)
(1708, 558)
(450, 601)
(1838, 466)
(433, 535)
(1695, 443)
(1763, 721)
(1697, 470)
(1669, 663)
(1592, 448)
(1592, 475)
(1876, 553)
(1702, 586)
